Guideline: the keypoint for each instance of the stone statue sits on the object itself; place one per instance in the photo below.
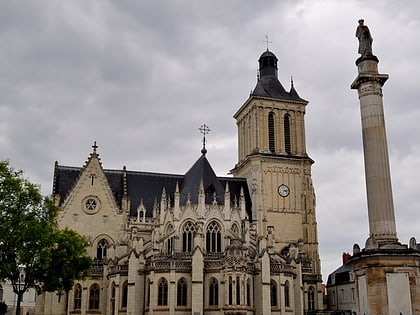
(365, 39)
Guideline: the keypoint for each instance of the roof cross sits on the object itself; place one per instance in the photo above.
(94, 147)
(266, 41)
(204, 129)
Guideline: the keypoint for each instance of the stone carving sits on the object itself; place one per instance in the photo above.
(365, 39)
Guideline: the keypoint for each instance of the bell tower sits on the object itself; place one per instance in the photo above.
(272, 156)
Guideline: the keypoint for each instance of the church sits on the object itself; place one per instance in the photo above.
(197, 243)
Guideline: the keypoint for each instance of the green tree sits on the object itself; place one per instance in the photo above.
(34, 253)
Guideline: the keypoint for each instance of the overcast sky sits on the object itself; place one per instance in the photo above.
(140, 77)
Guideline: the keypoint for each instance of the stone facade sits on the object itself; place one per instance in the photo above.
(197, 243)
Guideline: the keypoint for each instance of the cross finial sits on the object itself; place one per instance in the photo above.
(266, 41)
(204, 129)
(94, 147)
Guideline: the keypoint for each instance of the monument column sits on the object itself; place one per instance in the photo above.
(378, 180)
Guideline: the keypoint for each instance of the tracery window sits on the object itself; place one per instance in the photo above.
(273, 293)
(181, 297)
(77, 302)
(213, 238)
(235, 229)
(188, 237)
(271, 133)
(162, 292)
(101, 249)
(287, 136)
(94, 297)
(214, 292)
(169, 240)
(311, 298)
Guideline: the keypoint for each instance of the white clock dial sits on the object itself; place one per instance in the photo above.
(283, 190)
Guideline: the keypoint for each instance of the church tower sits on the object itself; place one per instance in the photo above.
(272, 157)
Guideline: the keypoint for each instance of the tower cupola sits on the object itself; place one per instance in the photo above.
(268, 64)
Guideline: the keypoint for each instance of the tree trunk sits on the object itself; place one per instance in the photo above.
(19, 301)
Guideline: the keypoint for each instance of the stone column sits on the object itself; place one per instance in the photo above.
(378, 180)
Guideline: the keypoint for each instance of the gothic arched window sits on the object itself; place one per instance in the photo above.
(169, 240)
(273, 293)
(162, 292)
(311, 298)
(124, 298)
(94, 297)
(287, 135)
(213, 238)
(101, 249)
(238, 291)
(287, 294)
(77, 302)
(214, 292)
(230, 291)
(248, 292)
(113, 291)
(188, 237)
(181, 297)
(271, 133)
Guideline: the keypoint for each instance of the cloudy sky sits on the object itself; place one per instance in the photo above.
(140, 77)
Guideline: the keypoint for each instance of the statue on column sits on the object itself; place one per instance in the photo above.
(365, 39)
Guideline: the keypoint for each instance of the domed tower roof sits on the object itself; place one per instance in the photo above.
(268, 84)
(268, 64)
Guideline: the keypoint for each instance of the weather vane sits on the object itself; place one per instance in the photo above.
(266, 41)
(204, 129)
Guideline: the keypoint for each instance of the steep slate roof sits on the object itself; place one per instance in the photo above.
(148, 187)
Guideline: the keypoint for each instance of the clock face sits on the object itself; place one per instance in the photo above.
(283, 190)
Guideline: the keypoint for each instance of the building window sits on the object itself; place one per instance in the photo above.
(311, 299)
(271, 133)
(287, 294)
(213, 238)
(181, 297)
(94, 297)
(214, 292)
(273, 293)
(77, 302)
(287, 136)
(248, 292)
(238, 291)
(162, 292)
(124, 294)
(333, 298)
(147, 302)
(188, 237)
(113, 291)
(230, 291)
(101, 249)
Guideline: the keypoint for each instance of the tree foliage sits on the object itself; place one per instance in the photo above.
(52, 259)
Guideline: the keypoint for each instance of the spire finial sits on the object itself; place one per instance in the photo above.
(204, 129)
(291, 81)
(266, 41)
